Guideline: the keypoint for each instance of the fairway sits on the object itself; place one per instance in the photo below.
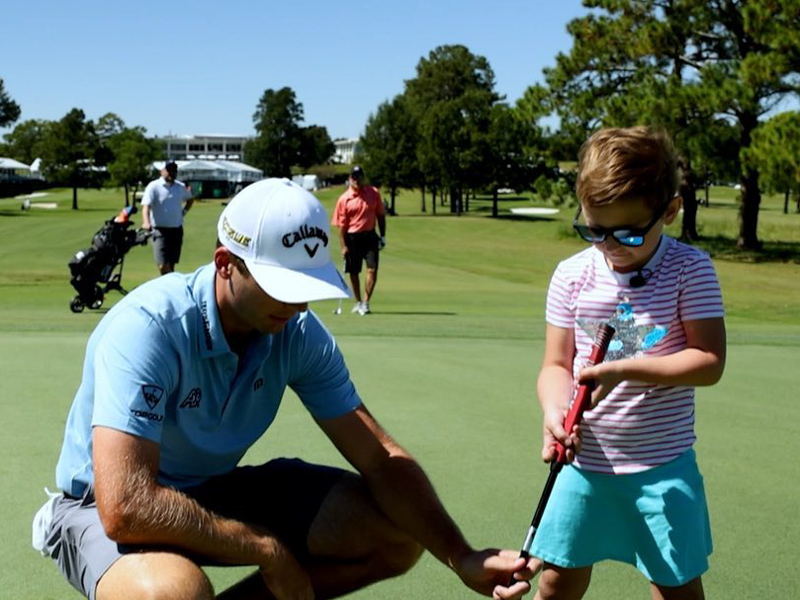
(447, 363)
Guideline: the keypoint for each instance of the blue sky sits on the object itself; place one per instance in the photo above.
(200, 67)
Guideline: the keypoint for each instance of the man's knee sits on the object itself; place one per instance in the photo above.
(155, 576)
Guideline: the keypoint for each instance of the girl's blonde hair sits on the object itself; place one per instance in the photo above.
(627, 163)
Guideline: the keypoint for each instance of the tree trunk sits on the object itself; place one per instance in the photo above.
(689, 194)
(786, 202)
(127, 201)
(393, 194)
(422, 200)
(74, 198)
(433, 200)
(751, 196)
(494, 202)
(466, 201)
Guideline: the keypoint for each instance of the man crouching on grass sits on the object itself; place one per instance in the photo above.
(181, 377)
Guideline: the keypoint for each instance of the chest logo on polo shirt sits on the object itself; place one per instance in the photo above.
(258, 384)
(152, 395)
(192, 399)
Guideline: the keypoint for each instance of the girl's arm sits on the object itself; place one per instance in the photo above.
(700, 363)
(555, 389)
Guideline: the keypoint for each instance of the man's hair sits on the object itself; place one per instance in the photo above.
(623, 164)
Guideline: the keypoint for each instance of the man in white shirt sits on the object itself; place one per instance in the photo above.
(163, 209)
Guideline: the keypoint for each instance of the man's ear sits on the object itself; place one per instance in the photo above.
(223, 261)
(673, 210)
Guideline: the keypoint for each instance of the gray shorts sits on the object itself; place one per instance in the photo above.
(283, 495)
(167, 242)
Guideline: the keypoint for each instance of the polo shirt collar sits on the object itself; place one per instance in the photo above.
(211, 340)
(210, 336)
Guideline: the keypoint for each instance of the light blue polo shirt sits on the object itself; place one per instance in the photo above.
(158, 366)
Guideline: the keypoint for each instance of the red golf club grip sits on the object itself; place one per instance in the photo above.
(584, 397)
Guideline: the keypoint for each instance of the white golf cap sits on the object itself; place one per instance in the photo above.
(281, 232)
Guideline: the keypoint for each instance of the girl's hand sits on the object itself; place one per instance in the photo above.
(554, 433)
(606, 376)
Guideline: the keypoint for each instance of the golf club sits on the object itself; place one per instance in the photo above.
(582, 401)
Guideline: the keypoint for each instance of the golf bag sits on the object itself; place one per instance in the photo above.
(92, 268)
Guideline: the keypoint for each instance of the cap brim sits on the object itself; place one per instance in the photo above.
(298, 287)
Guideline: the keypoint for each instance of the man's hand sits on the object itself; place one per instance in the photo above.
(382, 242)
(489, 571)
(285, 578)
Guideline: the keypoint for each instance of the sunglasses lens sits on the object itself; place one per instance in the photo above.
(628, 238)
(587, 234)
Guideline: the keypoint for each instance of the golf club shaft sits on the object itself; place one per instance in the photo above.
(574, 416)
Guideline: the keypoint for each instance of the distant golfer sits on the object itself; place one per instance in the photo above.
(634, 493)
(149, 468)
(165, 202)
(356, 213)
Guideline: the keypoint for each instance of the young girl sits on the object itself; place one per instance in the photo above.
(634, 492)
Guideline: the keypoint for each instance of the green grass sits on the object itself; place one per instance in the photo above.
(447, 363)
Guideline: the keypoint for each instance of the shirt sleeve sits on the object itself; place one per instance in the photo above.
(560, 310)
(148, 192)
(339, 214)
(380, 208)
(134, 374)
(700, 294)
(318, 374)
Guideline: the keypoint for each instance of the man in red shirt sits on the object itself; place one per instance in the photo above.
(355, 215)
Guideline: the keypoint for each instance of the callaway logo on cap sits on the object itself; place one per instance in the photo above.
(281, 232)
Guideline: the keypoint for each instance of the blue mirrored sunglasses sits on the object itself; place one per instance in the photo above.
(627, 236)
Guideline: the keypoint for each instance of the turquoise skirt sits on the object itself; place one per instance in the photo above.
(656, 520)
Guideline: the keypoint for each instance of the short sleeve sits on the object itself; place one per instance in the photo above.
(340, 214)
(380, 208)
(560, 309)
(147, 195)
(700, 294)
(135, 371)
(318, 374)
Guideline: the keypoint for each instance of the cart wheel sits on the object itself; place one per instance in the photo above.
(98, 298)
(76, 305)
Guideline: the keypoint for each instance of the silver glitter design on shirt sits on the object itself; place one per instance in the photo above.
(630, 339)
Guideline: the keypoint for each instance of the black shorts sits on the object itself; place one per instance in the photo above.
(283, 495)
(361, 246)
(167, 242)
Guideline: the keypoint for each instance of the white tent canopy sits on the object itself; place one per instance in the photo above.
(214, 170)
(10, 163)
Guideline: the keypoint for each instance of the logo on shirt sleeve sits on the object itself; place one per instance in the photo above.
(152, 395)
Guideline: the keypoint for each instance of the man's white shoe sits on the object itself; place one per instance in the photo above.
(364, 309)
(356, 308)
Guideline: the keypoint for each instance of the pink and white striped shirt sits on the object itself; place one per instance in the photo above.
(639, 425)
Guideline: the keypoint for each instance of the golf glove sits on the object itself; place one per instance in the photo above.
(382, 243)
